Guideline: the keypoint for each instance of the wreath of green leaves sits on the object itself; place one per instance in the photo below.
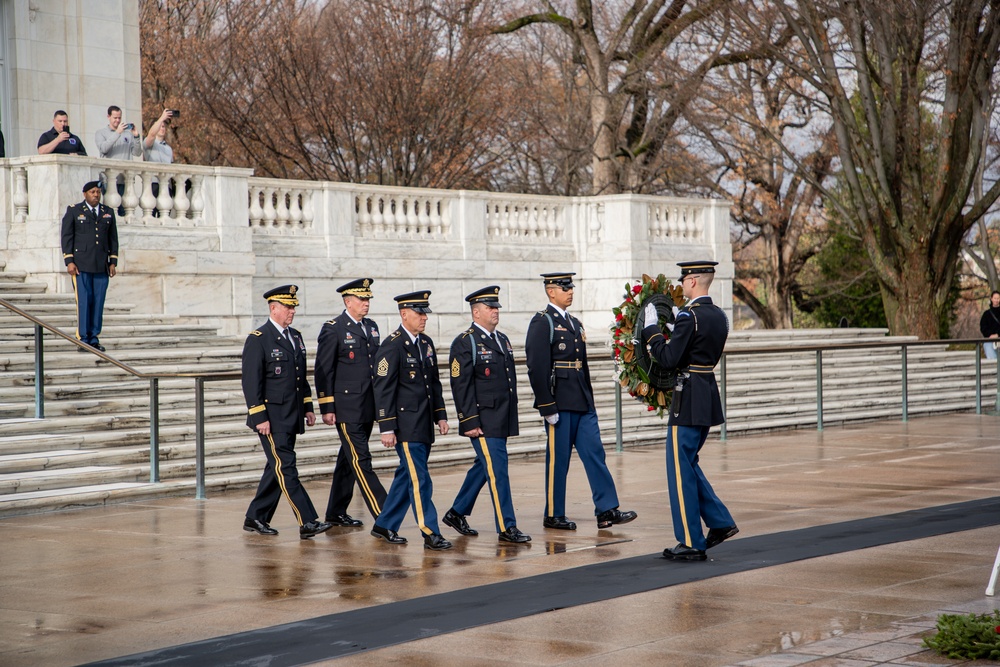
(629, 374)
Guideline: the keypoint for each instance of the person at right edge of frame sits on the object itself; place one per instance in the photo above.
(694, 349)
(410, 403)
(484, 385)
(279, 401)
(989, 325)
(556, 350)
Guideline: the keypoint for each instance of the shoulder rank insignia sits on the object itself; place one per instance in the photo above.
(333, 321)
(256, 333)
(456, 368)
(395, 335)
(383, 367)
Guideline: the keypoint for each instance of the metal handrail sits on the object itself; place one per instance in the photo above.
(154, 394)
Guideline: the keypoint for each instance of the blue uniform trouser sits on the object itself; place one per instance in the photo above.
(691, 496)
(411, 485)
(91, 289)
(579, 430)
(280, 478)
(490, 469)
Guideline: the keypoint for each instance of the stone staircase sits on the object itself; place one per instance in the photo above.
(93, 446)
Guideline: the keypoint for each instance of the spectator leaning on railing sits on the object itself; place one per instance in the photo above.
(118, 141)
(59, 139)
(989, 325)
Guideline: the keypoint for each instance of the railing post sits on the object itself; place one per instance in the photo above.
(979, 382)
(819, 390)
(39, 374)
(199, 437)
(906, 412)
(722, 392)
(618, 417)
(154, 430)
(996, 404)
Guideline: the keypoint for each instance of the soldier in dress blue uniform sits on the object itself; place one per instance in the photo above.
(279, 400)
(484, 385)
(409, 404)
(90, 250)
(345, 368)
(556, 347)
(694, 349)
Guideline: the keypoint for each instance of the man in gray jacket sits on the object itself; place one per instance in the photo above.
(118, 141)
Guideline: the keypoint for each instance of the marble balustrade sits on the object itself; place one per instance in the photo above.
(214, 238)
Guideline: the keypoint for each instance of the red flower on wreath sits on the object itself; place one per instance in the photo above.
(997, 629)
(636, 289)
(619, 317)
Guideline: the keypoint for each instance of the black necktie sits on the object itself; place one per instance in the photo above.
(288, 336)
(496, 337)
(569, 322)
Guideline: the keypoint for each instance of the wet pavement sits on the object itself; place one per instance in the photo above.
(100, 583)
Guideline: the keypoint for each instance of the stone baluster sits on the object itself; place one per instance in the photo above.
(164, 202)
(130, 200)
(20, 194)
(533, 224)
(378, 229)
(281, 214)
(269, 213)
(414, 206)
(181, 202)
(256, 212)
(425, 216)
(198, 197)
(111, 198)
(364, 216)
(295, 209)
(146, 200)
(442, 210)
(522, 220)
(492, 229)
(307, 208)
(553, 226)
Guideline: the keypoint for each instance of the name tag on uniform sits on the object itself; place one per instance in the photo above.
(277, 354)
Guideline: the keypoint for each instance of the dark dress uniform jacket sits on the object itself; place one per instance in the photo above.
(569, 347)
(484, 383)
(408, 388)
(90, 243)
(275, 384)
(345, 364)
(700, 332)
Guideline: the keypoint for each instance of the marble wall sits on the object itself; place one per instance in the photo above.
(224, 237)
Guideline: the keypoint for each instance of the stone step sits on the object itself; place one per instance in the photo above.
(67, 320)
(11, 276)
(10, 289)
(187, 358)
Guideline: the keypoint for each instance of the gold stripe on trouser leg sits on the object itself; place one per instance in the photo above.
(418, 504)
(680, 487)
(76, 297)
(552, 467)
(281, 478)
(493, 484)
(359, 473)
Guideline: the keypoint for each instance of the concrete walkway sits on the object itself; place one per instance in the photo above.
(94, 584)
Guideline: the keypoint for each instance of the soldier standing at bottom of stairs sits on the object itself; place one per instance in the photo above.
(279, 400)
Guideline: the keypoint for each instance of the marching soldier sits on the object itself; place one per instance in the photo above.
(409, 403)
(694, 349)
(345, 368)
(556, 348)
(90, 250)
(278, 399)
(484, 386)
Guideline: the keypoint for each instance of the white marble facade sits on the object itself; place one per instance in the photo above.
(81, 57)
(224, 237)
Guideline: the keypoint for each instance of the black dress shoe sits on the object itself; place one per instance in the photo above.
(512, 534)
(435, 542)
(684, 552)
(611, 517)
(558, 522)
(458, 522)
(101, 348)
(82, 349)
(313, 528)
(389, 536)
(259, 527)
(344, 520)
(717, 536)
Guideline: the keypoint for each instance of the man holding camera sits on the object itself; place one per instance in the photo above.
(118, 141)
(59, 139)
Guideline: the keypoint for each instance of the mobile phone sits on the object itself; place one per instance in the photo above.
(129, 126)
(174, 113)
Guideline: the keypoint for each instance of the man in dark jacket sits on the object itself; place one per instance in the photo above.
(699, 335)
(90, 250)
(556, 348)
(484, 385)
(409, 404)
(345, 368)
(279, 400)
(989, 325)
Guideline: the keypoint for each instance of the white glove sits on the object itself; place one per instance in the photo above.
(650, 314)
(670, 326)
(552, 419)
(675, 310)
